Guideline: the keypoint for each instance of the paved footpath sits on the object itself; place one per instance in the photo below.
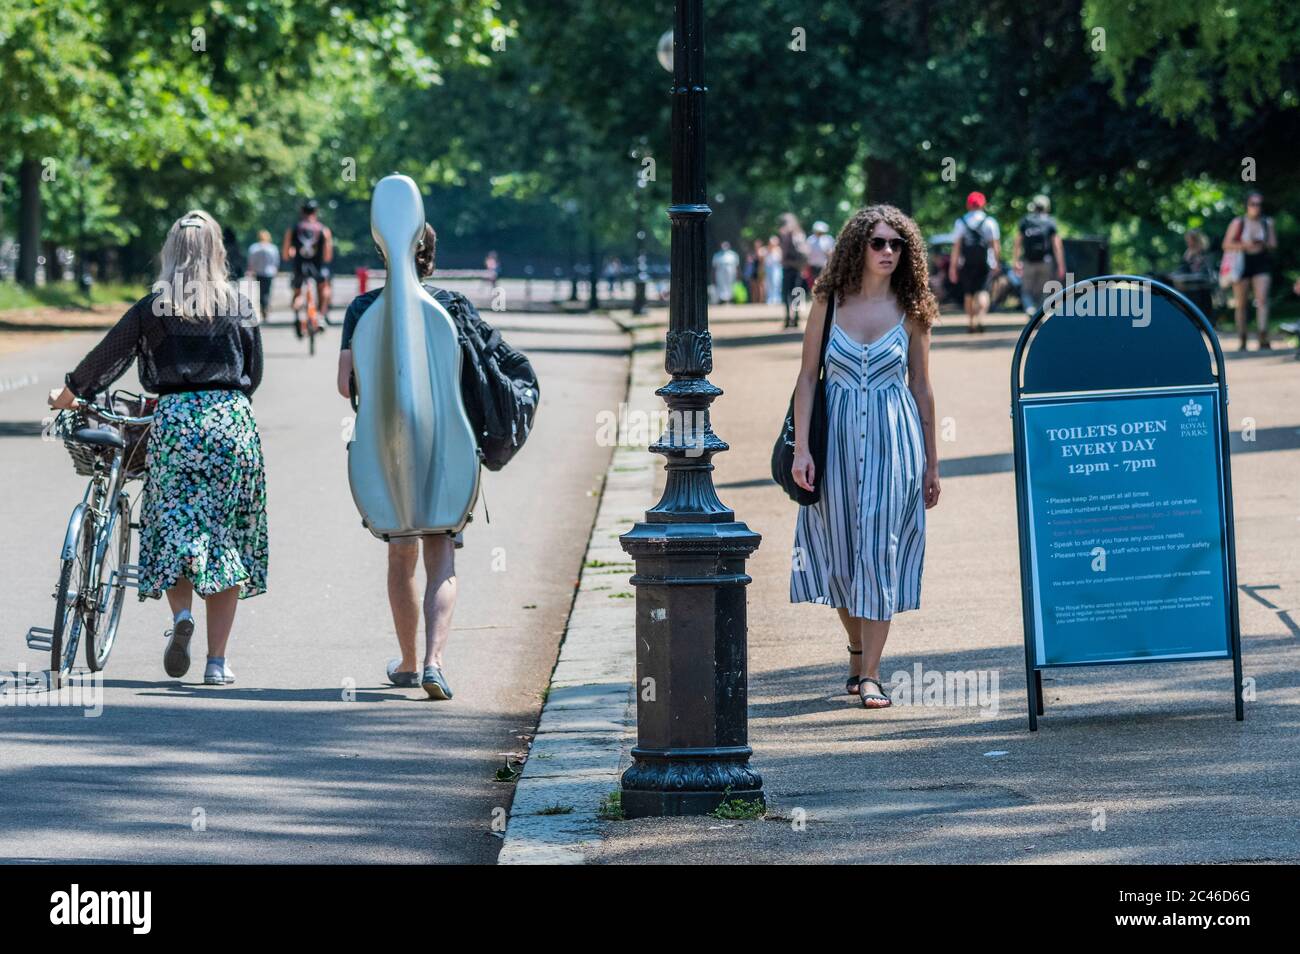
(310, 756)
(1131, 764)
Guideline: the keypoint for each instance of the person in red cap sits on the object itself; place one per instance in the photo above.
(976, 252)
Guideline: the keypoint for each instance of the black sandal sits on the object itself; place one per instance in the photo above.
(851, 684)
(864, 696)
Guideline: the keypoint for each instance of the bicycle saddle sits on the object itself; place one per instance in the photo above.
(95, 437)
(413, 462)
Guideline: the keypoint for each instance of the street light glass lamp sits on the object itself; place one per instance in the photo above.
(665, 50)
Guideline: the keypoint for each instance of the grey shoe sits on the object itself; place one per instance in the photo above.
(176, 657)
(435, 683)
(403, 680)
(217, 674)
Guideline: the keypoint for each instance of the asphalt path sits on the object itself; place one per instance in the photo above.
(309, 756)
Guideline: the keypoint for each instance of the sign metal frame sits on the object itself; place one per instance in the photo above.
(1128, 377)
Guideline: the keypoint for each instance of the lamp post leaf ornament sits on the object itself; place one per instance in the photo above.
(692, 751)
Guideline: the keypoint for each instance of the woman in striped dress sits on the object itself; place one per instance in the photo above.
(861, 547)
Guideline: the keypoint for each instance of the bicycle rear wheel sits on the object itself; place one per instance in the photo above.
(110, 589)
(74, 573)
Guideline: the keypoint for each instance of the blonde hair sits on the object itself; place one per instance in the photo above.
(193, 278)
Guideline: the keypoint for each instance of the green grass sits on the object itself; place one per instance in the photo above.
(557, 810)
(66, 295)
(507, 773)
(611, 806)
(738, 808)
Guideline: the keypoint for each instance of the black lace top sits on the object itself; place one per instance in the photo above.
(175, 354)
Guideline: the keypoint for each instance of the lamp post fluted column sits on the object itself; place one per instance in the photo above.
(692, 748)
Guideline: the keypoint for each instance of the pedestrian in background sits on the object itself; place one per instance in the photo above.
(794, 258)
(820, 244)
(1195, 275)
(976, 252)
(861, 546)
(203, 516)
(725, 264)
(263, 263)
(1253, 238)
(1038, 253)
(772, 269)
(753, 271)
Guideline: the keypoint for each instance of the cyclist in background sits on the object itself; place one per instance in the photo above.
(309, 245)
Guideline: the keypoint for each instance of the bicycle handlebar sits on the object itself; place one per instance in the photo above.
(111, 416)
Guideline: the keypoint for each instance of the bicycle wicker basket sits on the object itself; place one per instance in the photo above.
(136, 437)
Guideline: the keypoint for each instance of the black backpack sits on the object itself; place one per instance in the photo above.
(497, 383)
(974, 244)
(1036, 234)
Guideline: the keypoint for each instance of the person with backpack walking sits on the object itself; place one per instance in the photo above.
(1038, 254)
(500, 393)
(976, 252)
(1251, 239)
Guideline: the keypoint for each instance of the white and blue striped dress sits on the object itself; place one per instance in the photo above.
(862, 545)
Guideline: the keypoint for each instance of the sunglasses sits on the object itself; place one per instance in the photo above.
(878, 244)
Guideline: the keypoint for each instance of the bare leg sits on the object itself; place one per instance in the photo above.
(972, 309)
(439, 595)
(1261, 286)
(853, 626)
(1239, 310)
(874, 634)
(324, 289)
(181, 595)
(403, 598)
(982, 304)
(221, 618)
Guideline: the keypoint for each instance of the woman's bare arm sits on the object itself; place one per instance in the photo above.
(345, 373)
(805, 390)
(918, 382)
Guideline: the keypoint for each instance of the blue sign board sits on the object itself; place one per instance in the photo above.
(1123, 483)
(1126, 528)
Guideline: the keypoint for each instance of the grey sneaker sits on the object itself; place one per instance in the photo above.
(435, 683)
(217, 674)
(403, 680)
(176, 657)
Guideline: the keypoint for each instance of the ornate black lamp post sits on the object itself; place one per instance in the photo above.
(692, 748)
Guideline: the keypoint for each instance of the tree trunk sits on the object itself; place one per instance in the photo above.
(889, 183)
(29, 220)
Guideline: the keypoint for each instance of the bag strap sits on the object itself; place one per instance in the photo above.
(826, 335)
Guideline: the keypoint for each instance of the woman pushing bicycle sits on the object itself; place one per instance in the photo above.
(203, 520)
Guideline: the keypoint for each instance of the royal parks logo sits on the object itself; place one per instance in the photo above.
(1193, 424)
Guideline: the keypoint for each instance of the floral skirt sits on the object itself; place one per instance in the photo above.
(204, 511)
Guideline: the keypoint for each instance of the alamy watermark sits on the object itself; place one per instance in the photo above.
(632, 428)
(970, 688)
(1130, 298)
(25, 689)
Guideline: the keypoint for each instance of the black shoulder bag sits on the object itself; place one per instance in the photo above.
(783, 450)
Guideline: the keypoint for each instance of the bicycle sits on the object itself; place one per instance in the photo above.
(311, 326)
(95, 569)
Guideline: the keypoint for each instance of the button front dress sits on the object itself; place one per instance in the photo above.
(862, 545)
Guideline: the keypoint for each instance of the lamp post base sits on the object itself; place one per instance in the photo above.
(689, 781)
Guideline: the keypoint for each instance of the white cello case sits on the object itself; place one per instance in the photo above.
(413, 461)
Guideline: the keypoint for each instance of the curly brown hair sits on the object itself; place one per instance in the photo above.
(910, 282)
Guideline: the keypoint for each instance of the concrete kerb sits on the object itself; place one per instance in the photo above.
(587, 725)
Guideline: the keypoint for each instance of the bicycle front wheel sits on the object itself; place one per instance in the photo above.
(74, 574)
(110, 589)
